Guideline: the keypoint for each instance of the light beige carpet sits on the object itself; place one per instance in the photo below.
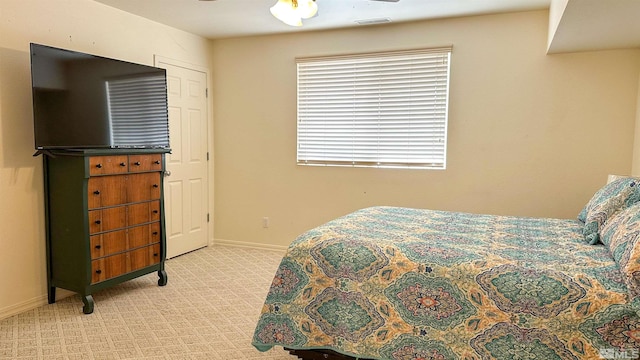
(208, 310)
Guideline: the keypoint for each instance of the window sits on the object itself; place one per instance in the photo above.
(374, 110)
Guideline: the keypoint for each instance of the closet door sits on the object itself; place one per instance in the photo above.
(187, 188)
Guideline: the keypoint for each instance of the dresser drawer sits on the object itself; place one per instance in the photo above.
(108, 243)
(144, 257)
(143, 187)
(113, 242)
(120, 164)
(108, 219)
(104, 191)
(112, 164)
(150, 162)
(109, 267)
(115, 265)
(144, 235)
(143, 212)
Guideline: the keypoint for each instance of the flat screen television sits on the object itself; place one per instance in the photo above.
(84, 101)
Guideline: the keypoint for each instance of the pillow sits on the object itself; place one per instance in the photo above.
(621, 234)
(613, 177)
(597, 216)
(609, 190)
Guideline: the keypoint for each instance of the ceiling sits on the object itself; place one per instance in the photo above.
(232, 18)
(579, 25)
(597, 25)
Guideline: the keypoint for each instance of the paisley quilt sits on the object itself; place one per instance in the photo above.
(399, 283)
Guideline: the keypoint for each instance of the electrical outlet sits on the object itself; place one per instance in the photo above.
(265, 222)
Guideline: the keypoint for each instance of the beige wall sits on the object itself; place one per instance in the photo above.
(81, 25)
(529, 134)
(635, 170)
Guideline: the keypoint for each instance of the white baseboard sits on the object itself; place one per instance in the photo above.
(280, 248)
(32, 304)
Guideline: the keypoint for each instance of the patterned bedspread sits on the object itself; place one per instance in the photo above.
(397, 283)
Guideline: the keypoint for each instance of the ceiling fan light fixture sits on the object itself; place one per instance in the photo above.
(307, 8)
(291, 12)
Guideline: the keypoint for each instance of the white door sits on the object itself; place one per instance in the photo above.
(185, 189)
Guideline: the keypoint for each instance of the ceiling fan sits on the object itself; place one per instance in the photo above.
(291, 12)
(314, 0)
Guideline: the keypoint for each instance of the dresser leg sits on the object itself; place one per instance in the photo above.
(52, 294)
(162, 281)
(88, 304)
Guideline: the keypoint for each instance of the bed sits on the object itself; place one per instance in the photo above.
(401, 283)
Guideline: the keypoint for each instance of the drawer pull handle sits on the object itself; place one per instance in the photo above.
(156, 185)
(157, 162)
(97, 192)
(98, 247)
(123, 164)
(155, 254)
(155, 211)
(98, 271)
(98, 222)
(155, 233)
(137, 163)
(99, 166)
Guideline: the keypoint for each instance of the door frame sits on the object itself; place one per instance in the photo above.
(157, 60)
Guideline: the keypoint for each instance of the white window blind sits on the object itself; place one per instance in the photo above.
(374, 110)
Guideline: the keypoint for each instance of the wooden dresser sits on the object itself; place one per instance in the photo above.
(104, 219)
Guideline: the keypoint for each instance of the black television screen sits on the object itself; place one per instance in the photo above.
(87, 101)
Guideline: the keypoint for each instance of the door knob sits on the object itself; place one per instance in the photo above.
(167, 173)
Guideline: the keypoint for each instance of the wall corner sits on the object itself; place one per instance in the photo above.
(635, 164)
(556, 10)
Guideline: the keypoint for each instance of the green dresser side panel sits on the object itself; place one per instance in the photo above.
(68, 223)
